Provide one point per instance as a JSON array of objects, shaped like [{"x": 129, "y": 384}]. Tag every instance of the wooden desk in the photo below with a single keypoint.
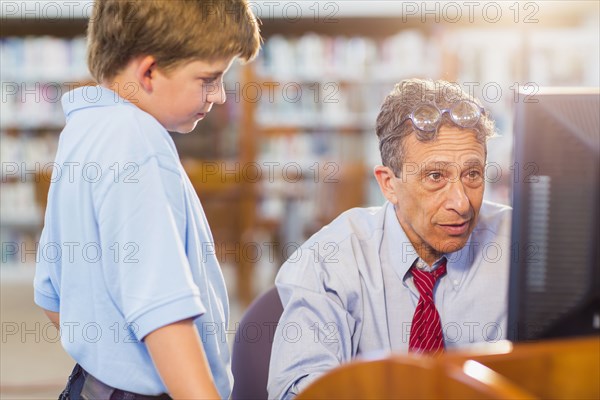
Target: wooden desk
[
  {"x": 561, "y": 369},
  {"x": 557, "y": 369}
]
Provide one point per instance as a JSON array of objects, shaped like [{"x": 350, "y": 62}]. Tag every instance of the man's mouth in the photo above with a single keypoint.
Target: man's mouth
[{"x": 456, "y": 229}]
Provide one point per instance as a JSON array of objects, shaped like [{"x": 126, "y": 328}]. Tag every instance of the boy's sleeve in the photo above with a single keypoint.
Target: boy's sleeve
[
  {"x": 144, "y": 260},
  {"x": 44, "y": 293}
]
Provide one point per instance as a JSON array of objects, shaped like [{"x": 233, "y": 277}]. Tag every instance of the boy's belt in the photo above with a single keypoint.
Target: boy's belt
[{"x": 94, "y": 389}]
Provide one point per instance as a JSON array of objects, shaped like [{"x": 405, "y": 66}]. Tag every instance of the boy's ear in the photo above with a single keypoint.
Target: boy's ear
[
  {"x": 385, "y": 177},
  {"x": 145, "y": 72}
]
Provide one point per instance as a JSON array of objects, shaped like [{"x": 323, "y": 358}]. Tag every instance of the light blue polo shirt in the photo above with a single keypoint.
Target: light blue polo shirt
[{"x": 126, "y": 247}]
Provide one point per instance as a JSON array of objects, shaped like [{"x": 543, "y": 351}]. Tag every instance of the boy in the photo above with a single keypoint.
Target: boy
[{"x": 121, "y": 267}]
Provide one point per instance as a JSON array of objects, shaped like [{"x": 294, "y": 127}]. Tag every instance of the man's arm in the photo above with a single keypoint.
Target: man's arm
[
  {"x": 179, "y": 357},
  {"x": 315, "y": 331},
  {"x": 314, "y": 336}
]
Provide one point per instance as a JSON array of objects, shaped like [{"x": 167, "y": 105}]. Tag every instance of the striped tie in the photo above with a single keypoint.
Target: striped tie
[{"x": 426, "y": 330}]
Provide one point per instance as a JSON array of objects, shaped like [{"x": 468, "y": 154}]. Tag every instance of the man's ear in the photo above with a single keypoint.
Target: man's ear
[
  {"x": 145, "y": 72},
  {"x": 385, "y": 179}
]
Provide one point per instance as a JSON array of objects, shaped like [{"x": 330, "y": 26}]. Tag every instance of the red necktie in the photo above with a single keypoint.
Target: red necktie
[{"x": 426, "y": 330}]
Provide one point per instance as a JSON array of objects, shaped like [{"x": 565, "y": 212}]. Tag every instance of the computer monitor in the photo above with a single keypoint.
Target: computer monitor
[{"x": 554, "y": 287}]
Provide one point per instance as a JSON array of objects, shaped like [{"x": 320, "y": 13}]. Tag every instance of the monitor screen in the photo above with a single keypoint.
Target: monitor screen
[{"x": 554, "y": 285}]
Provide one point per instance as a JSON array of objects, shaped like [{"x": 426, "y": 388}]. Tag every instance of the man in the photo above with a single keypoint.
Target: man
[{"x": 426, "y": 271}]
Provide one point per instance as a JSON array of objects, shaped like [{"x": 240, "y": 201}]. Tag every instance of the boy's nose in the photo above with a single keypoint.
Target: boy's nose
[{"x": 216, "y": 94}]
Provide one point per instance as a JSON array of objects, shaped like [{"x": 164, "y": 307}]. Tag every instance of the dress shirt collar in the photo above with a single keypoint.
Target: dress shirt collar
[
  {"x": 397, "y": 250},
  {"x": 422, "y": 265}
]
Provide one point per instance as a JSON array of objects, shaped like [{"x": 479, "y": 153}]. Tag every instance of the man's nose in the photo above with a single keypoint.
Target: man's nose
[{"x": 457, "y": 198}]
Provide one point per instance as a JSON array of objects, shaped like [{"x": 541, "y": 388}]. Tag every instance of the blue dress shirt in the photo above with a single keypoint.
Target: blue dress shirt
[
  {"x": 347, "y": 292},
  {"x": 126, "y": 248}
]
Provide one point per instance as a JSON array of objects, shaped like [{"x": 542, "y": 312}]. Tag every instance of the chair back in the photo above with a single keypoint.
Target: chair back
[{"x": 252, "y": 347}]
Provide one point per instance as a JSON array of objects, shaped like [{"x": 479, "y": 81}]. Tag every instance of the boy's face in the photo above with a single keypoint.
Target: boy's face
[{"x": 184, "y": 95}]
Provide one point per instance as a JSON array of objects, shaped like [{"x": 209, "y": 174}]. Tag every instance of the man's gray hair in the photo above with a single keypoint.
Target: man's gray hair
[{"x": 402, "y": 100}]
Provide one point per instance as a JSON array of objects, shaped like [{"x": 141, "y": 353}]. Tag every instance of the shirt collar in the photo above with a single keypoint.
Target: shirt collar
[
  {"x": 399, "y": 252},
  {"x": 422, "y": 265},
  {"x": 90, "y": 96},
  {"x": 396, "y": 249}
]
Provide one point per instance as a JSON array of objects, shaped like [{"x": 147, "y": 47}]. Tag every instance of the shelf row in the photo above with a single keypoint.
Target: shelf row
[{"x": 332, "y": 81}]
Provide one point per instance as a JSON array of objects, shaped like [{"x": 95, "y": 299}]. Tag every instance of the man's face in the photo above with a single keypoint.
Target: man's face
[{"x": 440, "y": 190}]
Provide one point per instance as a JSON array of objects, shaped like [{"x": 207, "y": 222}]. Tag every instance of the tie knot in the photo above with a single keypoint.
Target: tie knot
[{"x": 425, "y": 280}]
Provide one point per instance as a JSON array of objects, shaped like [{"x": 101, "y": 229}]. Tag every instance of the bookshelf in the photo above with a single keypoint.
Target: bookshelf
[
  {"x": 40, "y": 61},
  {"x": 295, "y": 144},
  {"x": 36, "y": 71},
  {"x": 321, "y": 87}
]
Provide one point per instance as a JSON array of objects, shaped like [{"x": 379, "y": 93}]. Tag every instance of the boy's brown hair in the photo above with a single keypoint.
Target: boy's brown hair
[{"x": 173, "y": 31}]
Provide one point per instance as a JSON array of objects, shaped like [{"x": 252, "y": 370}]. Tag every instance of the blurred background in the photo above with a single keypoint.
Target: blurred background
[{"x": 295, "y": 143}]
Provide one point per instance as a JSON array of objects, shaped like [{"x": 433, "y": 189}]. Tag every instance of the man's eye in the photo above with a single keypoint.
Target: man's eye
[
  {"x": 473, "y": 175},
  {"x": 209, "y": 81},
  {"x": 435, "y": 176}
]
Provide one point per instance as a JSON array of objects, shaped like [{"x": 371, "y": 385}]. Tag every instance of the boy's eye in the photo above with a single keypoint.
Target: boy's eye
[{"x": 209, "y": 80}]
